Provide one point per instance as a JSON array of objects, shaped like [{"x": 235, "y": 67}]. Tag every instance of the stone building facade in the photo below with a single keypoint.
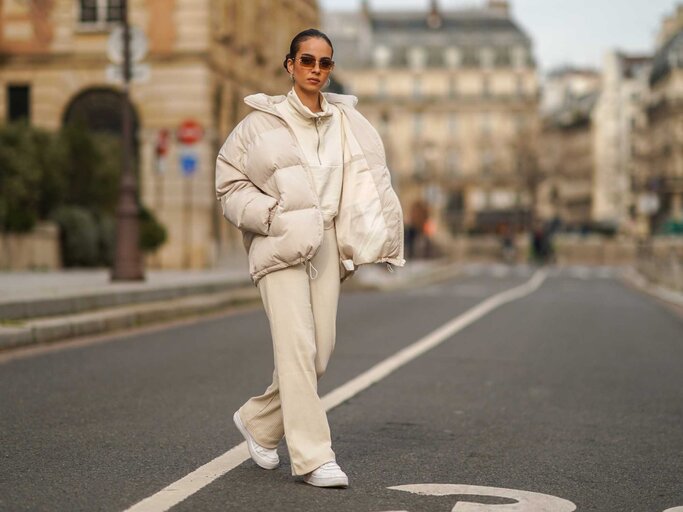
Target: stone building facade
[
  {"x": 624, "y": 86},
  {"x": 455, "y": 96},
  {"x": 568, "y": 158},
  {"x": 659, "y": 171},
  {"x": 203, "y": 57}
]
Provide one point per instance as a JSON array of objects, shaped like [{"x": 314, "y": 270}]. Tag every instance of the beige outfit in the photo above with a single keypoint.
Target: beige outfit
[{"x": 301, "y": 305}]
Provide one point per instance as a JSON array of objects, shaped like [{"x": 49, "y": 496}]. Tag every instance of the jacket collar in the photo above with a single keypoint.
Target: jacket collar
[
  {"x": 302, "y": 110},
  {"x": 267, "y": 103}
]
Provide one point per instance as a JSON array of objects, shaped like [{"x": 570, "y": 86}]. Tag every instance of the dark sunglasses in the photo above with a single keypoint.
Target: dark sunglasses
[{"x": 308, "y": 61}]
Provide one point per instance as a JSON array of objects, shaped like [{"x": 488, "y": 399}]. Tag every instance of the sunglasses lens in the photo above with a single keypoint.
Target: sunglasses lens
[
  {"x": 325, "y": 64},
  {"x": 308, "y": 62}
]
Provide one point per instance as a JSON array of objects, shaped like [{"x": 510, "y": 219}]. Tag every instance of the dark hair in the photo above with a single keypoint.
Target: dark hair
[{"x": 300, "y": 38}]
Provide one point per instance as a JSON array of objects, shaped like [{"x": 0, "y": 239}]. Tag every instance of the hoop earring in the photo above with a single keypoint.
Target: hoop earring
[
  {"x": 327, "y": 84},
  {"x": 291, "y": 77}
]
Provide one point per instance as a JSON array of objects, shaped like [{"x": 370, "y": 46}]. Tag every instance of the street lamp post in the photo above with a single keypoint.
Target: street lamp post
[{"x": 127, "y": 261}]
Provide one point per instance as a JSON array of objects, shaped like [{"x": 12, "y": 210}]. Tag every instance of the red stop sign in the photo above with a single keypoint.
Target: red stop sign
[{"x": 190, "y": 132}]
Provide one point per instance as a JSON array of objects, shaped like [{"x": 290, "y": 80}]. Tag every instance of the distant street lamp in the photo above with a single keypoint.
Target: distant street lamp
[{"x": 127, "y": 260}]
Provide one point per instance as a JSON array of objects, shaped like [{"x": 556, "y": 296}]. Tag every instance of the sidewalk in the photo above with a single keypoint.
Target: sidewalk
[{"x": 40, "y": 307}]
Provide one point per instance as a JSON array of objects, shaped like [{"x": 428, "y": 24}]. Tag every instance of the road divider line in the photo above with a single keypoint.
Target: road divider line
[
  {"x": 416, "y": 349},
  {"x": 182, "y": 489}
]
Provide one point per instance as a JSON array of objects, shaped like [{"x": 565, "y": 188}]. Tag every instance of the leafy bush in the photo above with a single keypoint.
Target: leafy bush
[
  {"x": 71, "y": 176},
  {"x": 90, "y": 166},
  {"x": 20, "y": 177},
  {"x": 106, "y": 227},
  {"x": 152, "y": 233},
  {"x": 79, "y": 236}
]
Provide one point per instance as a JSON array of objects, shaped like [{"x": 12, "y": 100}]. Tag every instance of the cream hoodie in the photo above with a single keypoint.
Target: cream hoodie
[{"x": 320, "y": 136}]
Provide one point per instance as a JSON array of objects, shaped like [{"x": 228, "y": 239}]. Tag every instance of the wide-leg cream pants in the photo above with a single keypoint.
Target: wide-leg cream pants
[{"x": 302, "y": 310}]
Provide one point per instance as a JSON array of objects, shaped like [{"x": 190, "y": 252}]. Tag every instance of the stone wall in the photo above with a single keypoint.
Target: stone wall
[
  {"x": 660, "y": 259},
  {"x": 594, "y": 250},
  {"x": 38, "y": 250},
  {"x": 661, "y": 262}
]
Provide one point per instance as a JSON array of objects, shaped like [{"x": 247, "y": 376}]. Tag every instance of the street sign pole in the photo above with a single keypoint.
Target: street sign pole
[{"x": 127, "y": 261}]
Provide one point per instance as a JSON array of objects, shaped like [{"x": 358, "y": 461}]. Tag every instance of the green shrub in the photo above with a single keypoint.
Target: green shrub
[
  {"x": 90, "y": 166},
  {"x": 79, "y": 236},
  {"x": 152, "y": 233},
  {"x": 106, "y": 227},
  {"x": 20, "y": 177}
]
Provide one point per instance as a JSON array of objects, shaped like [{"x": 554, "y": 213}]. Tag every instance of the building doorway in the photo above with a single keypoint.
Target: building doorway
[{"x": 100, "y": 110}]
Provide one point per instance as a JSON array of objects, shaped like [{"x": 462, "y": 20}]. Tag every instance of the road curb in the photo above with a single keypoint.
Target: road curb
[
  {"x": 47, "y": 330},
  {"x": 82, "y": 302}
]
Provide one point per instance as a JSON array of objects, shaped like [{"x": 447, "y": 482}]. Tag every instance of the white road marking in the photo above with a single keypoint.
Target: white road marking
[
  {"x": 526, "y": 501},
  {"x": 173, "y": 494},
  {"x": 185, "y": 487},
  {"x": 638, "y": 280},
  {"x": 675, "y": 509}
]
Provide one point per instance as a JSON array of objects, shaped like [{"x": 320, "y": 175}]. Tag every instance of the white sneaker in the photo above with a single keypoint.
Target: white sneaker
[
  {"x": 267, "y": 458},
  {"x": 327, "y": 475}
]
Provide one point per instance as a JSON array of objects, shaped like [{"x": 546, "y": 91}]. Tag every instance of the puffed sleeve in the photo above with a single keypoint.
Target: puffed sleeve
[{"x": 243, "y": 203}]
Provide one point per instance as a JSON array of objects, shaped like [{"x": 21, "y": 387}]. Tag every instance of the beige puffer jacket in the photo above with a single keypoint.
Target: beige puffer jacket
[{"x": 266, "y": 190}]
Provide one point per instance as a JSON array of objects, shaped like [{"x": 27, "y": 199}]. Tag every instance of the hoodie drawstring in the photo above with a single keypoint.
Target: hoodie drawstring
[{"x": 312, "y": 269}]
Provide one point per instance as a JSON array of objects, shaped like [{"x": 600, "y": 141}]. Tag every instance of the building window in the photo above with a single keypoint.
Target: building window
[
  {"x": 417, "y": 58},
  {"x": 99, "y": 12},
  {"x": 382, "y": 86},
  {"x": 18, "y": 103},
  {"x": 417, "y": 87},
  {"x": 417, "y": 124},
  {"x": 453, "y": 57},
  {"x": 519, "y": 82},
  {"x": 452, "y": 86},
  {"x": 487, "y": 161},
  {"x": 382, "y": 56},
  {"x": 486, "y": 123},
  {"x": 519, "y": 57},
  {"x": 520, "y": 123},
  {"x": 419, "y": 166},
  {"x": 487, "y": 57},
  {"x": 452, "y": 162},
  {"x": 452, "y": 124},
  {"x": 384, "y": 123},
  {"x": 486, "y": 86}
]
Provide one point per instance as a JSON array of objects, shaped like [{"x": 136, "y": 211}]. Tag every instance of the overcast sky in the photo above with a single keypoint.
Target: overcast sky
[{"x": 576, "y": 32}]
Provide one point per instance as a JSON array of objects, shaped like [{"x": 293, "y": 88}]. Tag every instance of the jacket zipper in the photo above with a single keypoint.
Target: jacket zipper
[{"x": 317, "y": 151}]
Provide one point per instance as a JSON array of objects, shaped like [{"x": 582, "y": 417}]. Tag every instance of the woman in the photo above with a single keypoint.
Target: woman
[{"x": 304, "y": 178}]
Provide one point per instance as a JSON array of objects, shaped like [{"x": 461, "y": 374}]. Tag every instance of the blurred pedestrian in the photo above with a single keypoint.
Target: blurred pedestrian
[
  {"x": 507, "y": 243},
  {"x": 304, "y": 178},
  {"x": 415, "y": 240},
  {"x": 541, "y": 243}
]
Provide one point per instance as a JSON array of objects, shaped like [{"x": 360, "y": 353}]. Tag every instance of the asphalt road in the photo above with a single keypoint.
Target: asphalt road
[{"x": 574, "y": 392}]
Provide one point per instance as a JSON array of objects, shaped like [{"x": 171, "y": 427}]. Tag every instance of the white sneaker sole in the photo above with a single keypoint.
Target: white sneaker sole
[
  {"x": 254, "y": 456},
  {"x": 336, "y": 481}
]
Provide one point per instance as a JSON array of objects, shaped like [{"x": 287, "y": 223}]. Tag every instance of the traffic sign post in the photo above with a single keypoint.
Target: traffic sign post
[
  {"x": 188, "y": 162},
  {"x": 138, "y": 73},
  {"x": 137, "y": 50},
  {"x": 190, "y": 132}
]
